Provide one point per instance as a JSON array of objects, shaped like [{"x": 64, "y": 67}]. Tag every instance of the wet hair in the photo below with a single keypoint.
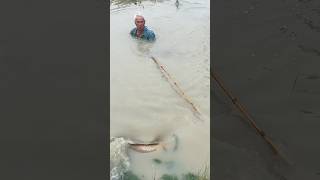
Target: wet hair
[{"x": 138, "y": 14}]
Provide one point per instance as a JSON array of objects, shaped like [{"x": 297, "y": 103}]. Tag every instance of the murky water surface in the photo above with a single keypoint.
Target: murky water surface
[
  {"x": 267, "y": 53},
  {"x": 144, "y": 106}
]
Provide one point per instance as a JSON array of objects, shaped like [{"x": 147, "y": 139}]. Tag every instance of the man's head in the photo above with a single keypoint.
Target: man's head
[{"x": 139, "y": 21}]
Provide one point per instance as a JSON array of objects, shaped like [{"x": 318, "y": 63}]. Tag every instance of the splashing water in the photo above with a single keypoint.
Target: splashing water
[
  {"x": 119, "y": 159},
  {"x": 119, "y": 148}
]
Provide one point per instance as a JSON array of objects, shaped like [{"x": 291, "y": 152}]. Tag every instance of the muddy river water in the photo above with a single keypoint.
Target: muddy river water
[{"x": 143, "y": 105}]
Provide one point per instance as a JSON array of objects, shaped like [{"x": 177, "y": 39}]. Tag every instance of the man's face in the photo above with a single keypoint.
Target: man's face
[{"x": 140, "y": 22}]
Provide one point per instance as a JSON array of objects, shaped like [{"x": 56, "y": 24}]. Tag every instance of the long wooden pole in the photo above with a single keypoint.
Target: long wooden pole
[
  {"x": 244, "y": 112},
  {"x": 175, "y": 85}
]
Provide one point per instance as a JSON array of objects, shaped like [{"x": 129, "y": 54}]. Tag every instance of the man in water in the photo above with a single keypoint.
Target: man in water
[{"x": 141, "y": 31}]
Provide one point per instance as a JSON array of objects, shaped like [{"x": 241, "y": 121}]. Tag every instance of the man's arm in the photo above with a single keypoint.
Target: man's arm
[
  {"x": 152, "y": 36},
  {"x": 133, "y": 31}
]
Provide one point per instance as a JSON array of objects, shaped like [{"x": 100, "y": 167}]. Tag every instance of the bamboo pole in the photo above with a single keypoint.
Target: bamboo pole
[
  {"x": 175, "y": 85},
  {"x": 244, "y": 112}
]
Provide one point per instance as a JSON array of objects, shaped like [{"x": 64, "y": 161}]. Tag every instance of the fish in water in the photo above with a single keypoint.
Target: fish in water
[
  {"x": 153, "y": 146},
  {"x": 119, "y": 158},
  {"x": 146, "y": 148}
]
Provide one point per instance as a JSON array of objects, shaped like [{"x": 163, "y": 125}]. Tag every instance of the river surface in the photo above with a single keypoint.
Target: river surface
[{"x": 143, "y": 105}]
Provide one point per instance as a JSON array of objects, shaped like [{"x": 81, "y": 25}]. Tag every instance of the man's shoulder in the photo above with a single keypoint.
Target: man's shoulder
[
  {"x": 150, "y": 34},
  {"x": 133, "y": 31},
  {"x": 149, "y": 30}
]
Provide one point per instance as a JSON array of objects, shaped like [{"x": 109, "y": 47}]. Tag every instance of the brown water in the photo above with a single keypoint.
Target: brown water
[{"x": 143, "y": 104}]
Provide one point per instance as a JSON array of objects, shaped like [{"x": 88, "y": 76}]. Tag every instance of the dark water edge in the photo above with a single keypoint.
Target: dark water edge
[{"x": 268, "y": 54}]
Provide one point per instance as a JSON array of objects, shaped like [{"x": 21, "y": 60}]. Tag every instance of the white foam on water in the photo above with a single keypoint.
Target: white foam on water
[{"x": 119, "y": 159}]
